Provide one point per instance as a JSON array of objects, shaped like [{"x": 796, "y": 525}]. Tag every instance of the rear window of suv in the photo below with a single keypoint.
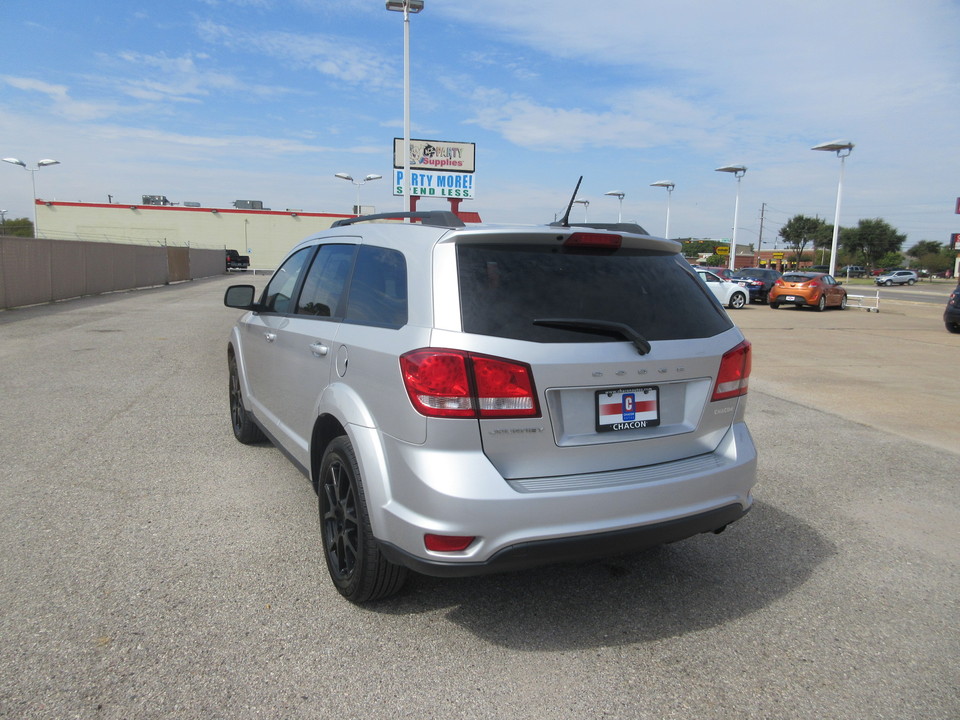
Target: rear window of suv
[{"x": 504, "y": 288}]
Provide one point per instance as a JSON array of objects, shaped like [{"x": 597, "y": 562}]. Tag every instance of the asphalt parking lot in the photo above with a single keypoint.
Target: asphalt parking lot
[{"x": 152, "y": 567}]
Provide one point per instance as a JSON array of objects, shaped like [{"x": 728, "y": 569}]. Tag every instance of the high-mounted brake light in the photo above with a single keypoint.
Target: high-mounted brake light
[
  {"x": 593, "y": 240},
  {"x": 734, "y": 374},
  {"x": 455, "y": 383}
]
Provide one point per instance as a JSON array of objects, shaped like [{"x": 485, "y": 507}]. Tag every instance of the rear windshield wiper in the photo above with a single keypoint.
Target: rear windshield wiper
[{"x": 599, "y": 327}]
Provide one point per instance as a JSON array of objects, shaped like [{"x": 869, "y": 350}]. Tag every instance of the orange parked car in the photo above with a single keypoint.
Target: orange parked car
[{"x": 815, "y": 289}]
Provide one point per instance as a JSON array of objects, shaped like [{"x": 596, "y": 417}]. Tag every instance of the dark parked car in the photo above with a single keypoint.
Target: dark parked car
[
  {"x": 757, "y": 280},
  {"x": 951, "y": 316}
]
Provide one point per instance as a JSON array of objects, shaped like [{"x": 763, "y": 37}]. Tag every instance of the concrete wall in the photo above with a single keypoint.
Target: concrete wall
[
  {"x": 265, "y": 235},
  {"x": 40, "y": 270}
]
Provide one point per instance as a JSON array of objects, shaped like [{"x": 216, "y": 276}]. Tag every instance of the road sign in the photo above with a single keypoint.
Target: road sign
[{"x": 722, "y": 250}]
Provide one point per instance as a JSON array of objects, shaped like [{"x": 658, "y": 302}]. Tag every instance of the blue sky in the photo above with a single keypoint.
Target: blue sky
[{"x": 216, "y": 100}]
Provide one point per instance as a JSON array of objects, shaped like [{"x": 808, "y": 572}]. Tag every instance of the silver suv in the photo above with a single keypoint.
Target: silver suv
[
  {"x": 896, "y": 277},
  {"x": 477, "y": 399}
]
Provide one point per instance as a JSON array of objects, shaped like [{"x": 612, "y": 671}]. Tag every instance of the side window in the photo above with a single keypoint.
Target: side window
[
  {"x": 324, "y": 283},
  {"x": 278, "y": 297},
  {"x": 378, "y": 290}
]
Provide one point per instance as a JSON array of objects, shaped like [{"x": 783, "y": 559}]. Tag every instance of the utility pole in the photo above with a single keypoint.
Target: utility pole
[{"x": 763, "y": 209}]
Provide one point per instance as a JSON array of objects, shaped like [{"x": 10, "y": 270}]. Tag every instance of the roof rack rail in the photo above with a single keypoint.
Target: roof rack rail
[
  {"x": 622, "y": 227},
  {"x": 435, "y": 218}
]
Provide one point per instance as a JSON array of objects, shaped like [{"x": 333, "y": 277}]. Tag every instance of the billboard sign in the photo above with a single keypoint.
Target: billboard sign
[
  {"x": 459, "y": 157},
  {"x": 436, "y": 184}
]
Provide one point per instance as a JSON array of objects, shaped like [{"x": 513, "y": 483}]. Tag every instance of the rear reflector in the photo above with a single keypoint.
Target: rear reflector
[
  {"x": 593, "y": 240},
  {"x": 734, "y": 374},
  {"x": 447, "y": 543}
]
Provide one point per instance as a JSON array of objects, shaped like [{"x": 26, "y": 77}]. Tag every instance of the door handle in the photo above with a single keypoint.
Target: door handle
[
  {"x": 319, "y": 349},
  {"x": 269, "y": 336}
]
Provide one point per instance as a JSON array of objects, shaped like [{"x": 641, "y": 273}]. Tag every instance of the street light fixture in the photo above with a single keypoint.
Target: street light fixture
[
  {"x": 842, "y": 148},
  {"x": 586, "y": 204},
  {"x": 738, "y": 172},
  {"x": 358, "y": 183},
  {"x": 406, "y": 7},
  {"x": 619, "y": 196},
  {"x": 668, "y": 184},
  {"x": 33, "y": 178}
]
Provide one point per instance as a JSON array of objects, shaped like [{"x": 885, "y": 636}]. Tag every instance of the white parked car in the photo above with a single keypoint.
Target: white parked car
[{"x": 729, "y": 294}]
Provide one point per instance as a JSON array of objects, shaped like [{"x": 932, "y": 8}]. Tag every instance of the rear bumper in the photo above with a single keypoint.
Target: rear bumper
[
  {"x": 534, "y": 521},
  {"x": 573, "y": 549},
  {"x": 792, "y": 300}
]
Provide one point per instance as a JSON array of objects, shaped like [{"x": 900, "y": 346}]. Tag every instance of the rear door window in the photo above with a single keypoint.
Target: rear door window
[
  {"x": 504, "y": 288},
  {"x": 378, "y": 289}
]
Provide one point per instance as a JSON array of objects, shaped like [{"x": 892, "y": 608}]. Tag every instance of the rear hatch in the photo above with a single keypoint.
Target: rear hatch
[{"x": 623, "y": 342}]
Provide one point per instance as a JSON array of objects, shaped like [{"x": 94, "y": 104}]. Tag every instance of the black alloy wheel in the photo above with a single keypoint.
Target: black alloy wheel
[
  {"x": 356, "y": 566},
  {"x": 244, "y": 429}
]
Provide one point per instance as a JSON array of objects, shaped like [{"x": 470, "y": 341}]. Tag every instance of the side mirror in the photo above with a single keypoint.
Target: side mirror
[{"x": 240, "y": 297}]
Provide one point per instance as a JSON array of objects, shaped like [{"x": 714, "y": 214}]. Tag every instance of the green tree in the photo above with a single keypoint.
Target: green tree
[
  {"x": 695, "y": 247},
  {"x": 800, "y": 230},
  {"x": 890, "y": 260},
  {"x": 874, "y": 239},
  {"x": 18, "y": 227},
  {"x": 924, "y": 247}
]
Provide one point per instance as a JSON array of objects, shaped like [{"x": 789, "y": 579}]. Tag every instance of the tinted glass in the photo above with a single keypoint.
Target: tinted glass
[
  {"x": 278, "y": 295},
  {"x": 378, "y": 290},
  {"x": 324, "y": 283},
  {"x": 504, "y": 288}
]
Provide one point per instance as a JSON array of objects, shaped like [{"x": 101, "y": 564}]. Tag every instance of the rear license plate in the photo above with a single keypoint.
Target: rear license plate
[
  {"x": 628, "y": 408},
  {"x": 789, "y": 298}
]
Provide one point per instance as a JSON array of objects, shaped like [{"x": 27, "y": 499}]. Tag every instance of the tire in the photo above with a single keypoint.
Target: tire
[
  {"x": 244, "y": 428},
  {"x": 774, "y": 305},
  {"x": 952, "y": 326},
  {"x": 911, "y": 281},
  {"x": 822, "y": 302},
  {"x": 843, "y": 302},
  {"x": 356, "y": 566},
  {"x": 737, "y": 300},
  {"x": 888, "y": 283}
]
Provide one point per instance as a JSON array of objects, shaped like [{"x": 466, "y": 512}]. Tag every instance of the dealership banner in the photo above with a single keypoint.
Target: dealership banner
[
  {"x": 437, "y": 155},
  {"x": 436, "y": 184}
]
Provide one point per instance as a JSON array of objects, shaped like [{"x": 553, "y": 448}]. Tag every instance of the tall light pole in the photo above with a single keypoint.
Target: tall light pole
[
  {"x": 842, "y": 148},
  {"x": 406, "y": 7},
  {"x": 586, "y": 204},
  {"x": 738, "y": 172},
  {"x": 358, "y": 183},
  {"x": 619, "y": 196},
  {"x": 33, "y": 179},
  {"x": 668, "y": 184}
]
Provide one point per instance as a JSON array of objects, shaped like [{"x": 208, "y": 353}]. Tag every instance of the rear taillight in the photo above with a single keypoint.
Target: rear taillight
[
  {"x": 734, "y": 373},
  {"x": 454, "y": 383}
]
